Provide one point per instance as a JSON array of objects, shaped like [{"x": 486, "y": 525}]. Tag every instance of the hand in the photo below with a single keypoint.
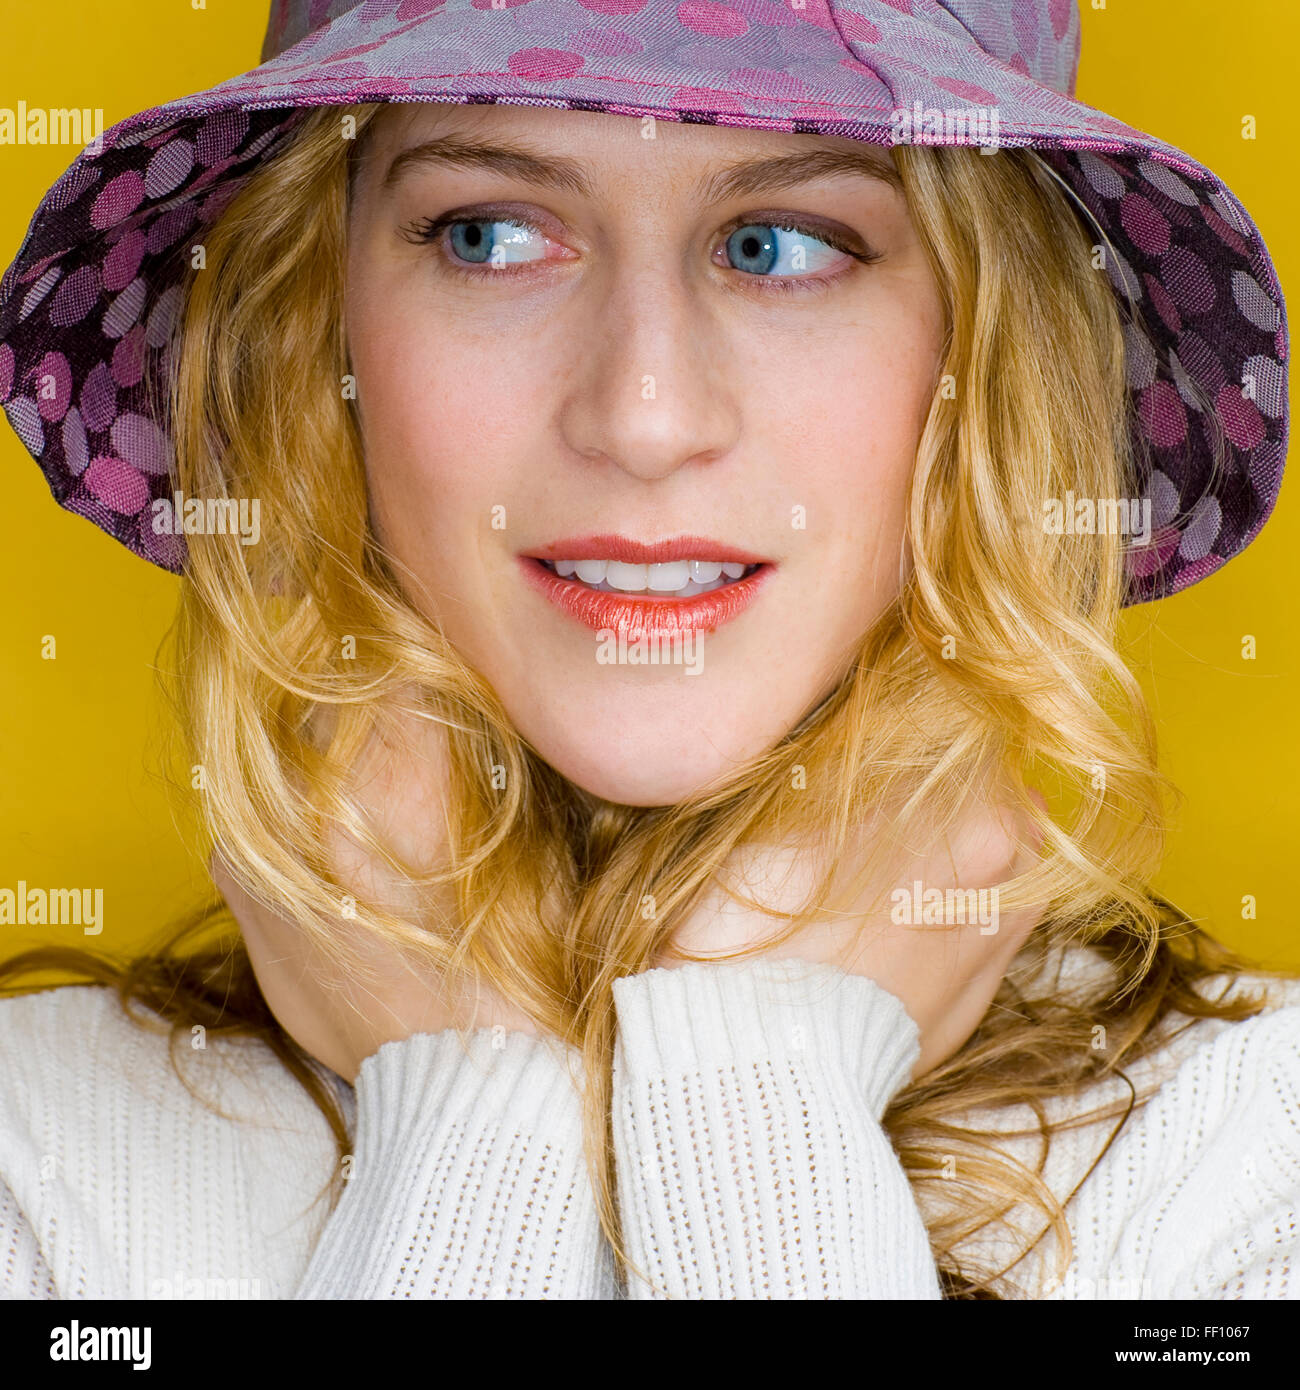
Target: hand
[
  {"x": 341, "y": 1016},
  {"x": 945, "y": 975}
]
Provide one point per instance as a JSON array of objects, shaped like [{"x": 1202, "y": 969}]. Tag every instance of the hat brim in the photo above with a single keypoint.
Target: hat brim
[{"x": 88, "y": 306}]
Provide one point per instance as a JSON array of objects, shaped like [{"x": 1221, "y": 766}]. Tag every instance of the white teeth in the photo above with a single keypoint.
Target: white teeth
[
  {"x": 667, "y": 579},
  {"x": 679, "y": 578},
  {"x": 629, "y": 579}
]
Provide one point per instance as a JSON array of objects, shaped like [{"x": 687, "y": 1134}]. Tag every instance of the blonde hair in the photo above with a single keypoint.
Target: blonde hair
[{"x": 1029, "y": 402}]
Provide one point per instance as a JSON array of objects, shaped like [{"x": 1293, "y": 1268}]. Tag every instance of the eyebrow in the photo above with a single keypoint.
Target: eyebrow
[{"x": 743, "y": 178}]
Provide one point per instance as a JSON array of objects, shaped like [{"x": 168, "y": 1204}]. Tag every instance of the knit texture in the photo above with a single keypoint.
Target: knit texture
[{"x": 746, "y": 1126}]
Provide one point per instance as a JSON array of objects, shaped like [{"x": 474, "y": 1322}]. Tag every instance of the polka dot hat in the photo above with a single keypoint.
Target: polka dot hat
[{"x": 88, "y": 306}]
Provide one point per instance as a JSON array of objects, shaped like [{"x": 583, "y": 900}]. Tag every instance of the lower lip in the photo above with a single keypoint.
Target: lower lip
[{"x": 633, "y": 616}]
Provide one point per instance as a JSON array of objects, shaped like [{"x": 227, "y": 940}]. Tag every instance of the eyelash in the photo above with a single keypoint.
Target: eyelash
[{"x": 427, "y": 230}]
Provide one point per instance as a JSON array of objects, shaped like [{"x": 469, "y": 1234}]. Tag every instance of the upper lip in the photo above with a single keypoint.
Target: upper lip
[{"x": 633, "y": 552}]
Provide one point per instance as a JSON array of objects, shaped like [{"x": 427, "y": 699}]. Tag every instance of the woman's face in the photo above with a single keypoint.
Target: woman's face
[{"x": 647, "y": 350}]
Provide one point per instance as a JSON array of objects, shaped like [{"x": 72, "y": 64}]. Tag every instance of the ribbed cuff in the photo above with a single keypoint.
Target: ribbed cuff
[
  {"x": 468, "y": 1178},
  {"x": 495, "y": 1074},
  {"x": 675, "y": 1020}
]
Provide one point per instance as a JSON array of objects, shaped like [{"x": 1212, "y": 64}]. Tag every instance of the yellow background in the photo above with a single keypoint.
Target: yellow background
[{"x": 79, "y": 805}]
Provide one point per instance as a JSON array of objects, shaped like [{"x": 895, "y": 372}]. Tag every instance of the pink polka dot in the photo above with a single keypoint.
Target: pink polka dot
[
  {"x": 860, "y": 30},
  {"x": 117, "y": 199},
  {"x": 128, "y": 357},
  {"x": 706, "y": 99},
  {"x": 766, "y": 82},
  {"x": 544, "y": 64},
  {"x": 116, "y": 484},
  {"x": 1163, "y": 415},
  {"x": 53, "y": 386},
  {"x": 1144, "y": 223},
  {"x": 1242, "y": 422},
  {"x": 6, "y": 371},
  {"x": 969, "y": 90},
  {"x": 1165, "y": 306},
  {"x": 1060, "y": 11},
  {"x": 122, "y": 262},
  {"x": 409, "y": 9},
  {"x": 1225, "y": 233},
  {"x": 615, "y": 7},
  {"x": 706, "y": 17}
]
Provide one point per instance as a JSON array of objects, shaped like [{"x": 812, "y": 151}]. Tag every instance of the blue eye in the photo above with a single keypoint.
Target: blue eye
[
  {"x": 762, "y": 249},
  {"x": 494, "y": 242}
]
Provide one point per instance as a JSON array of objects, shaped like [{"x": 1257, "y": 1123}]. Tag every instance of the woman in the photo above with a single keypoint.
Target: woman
[{"x": 687, "y": 821}]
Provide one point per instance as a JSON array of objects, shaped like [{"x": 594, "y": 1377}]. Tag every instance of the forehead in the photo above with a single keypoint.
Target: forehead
[{"x": 586, "y": 147}]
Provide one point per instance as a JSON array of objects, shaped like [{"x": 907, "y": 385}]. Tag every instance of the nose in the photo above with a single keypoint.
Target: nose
[{"x": 649, "y": 391}]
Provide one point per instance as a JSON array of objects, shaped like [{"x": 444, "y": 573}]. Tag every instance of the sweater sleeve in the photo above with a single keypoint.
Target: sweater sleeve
[
  {"x": 467, "y": 1178},
  {"x": 23, "y": 1271},
  {"x": 746, "y": 1126}
]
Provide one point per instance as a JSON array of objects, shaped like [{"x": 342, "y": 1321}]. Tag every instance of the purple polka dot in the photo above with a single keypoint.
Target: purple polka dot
[
  {"x": 123, "y": 261},
  {"x": 123, "y": 311},
  {"x": 75, "y": 449},
  {"x": 53, "y": 386},
  {"x": 128, "y": 358},
  {"x": 116, "y": 484},
  {"x": 603, "y": 43},
  {"x": 76, "y": 297},
  {"x": 99, "y": 398},
  {"x": 142, "y": 443},
  {"x": 38, "y": 291},
  {"x": 23, "y": 415},
  {"x": 162, "y": 317},
  {"x": 167, "y": 168},
  {"x": 766, "y": 82},
  {"x": 1163, "y": 415},
  {"x": 219, "y": 136},
  {"x": 614, "y": 7},
  {"x": 117, "y": 199},
  {"x": 169, "y": 227},
  {"x": 1144, "y": 223}
]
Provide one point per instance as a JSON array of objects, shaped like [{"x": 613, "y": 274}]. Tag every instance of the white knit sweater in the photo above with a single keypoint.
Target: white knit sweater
[{"x": 750, "y": 1159}]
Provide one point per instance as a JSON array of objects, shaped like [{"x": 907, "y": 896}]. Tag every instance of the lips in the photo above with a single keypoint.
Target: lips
[{"x": 613, "y": 583}]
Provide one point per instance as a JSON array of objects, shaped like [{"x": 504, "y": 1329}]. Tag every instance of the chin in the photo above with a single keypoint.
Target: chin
[{"x": 633, "y": 763}]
